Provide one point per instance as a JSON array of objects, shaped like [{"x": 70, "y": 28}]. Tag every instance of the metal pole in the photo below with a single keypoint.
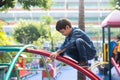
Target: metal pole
[
  {"x": 109, "y": 37},
  {"x": 103, "y": 40}
]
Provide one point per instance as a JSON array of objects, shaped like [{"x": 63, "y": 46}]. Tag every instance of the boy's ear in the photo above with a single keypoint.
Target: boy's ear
[{"x": 67, "y": 27}]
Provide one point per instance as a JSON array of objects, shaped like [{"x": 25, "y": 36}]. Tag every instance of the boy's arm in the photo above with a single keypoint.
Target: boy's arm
[
  {"x": 61, "y": 51},
  {"x": 55, "y": 54}
]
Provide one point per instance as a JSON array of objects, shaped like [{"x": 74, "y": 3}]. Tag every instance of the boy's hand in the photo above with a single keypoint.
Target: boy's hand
[{"x": 54, "y": 55}]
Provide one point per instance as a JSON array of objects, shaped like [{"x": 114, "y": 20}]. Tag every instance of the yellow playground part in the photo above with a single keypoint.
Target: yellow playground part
[
  {"x": 105, "y": 54},
  {"x": 97, "y": 64}
]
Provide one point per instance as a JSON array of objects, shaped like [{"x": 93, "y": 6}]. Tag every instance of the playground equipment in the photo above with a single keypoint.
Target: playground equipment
[
  {"x": 12, "y": 66},
  {"x": 21, "y": 67},
  {"x": 111, "y": 21},
  {"x": 68, "y": 61},
  {"x": 50, "y": 68},
  {"x": 51, "y": 72},
  {"x": 2, "y": 72}
]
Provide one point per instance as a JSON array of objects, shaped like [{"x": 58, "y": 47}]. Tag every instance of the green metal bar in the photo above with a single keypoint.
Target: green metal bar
[
  {"x": 109, "y": 37},
  {"x": 103, "y": 40},
  {"x": 15, "y": 59},
  {"x": 9, "y": 49},
  {"x": 2, "y": 72},
  {"x": 4, "y": 64}
]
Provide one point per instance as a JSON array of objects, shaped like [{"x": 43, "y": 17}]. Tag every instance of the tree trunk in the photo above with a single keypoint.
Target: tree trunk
[
  {"x": 81, "y": 22},
  {"x": 81, "y": 25}
]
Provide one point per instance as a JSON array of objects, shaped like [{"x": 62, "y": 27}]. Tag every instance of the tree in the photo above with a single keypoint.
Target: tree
[
  {"x": 26, "y": 33},
  {"x": 47, "y": 21},
  {"x": 1, "y": 25},
  {"x": 53, "y": 37},
  {"x": 26, "y": 4},
  {"x": 116, "y": 4},
  {"x": 81, "y": 22},
  {"x": 4, "y": 41},
  {"x": 49, "y": 35}
]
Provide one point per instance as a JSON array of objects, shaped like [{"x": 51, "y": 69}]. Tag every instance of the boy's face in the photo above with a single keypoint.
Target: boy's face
[{"x": 66, "y": 32}]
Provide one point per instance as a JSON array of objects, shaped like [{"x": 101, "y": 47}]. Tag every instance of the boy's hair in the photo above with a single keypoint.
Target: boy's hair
[{"x": 62, "y": 23}]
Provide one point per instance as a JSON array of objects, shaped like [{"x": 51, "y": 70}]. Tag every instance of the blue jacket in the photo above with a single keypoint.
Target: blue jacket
[{"x": 75, "y": 34}]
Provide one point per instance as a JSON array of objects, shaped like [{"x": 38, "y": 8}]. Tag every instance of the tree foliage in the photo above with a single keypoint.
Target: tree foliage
[
  {"x": 26, "y": 32},
  {"x": 116, "y": 4},
  {"x": 43, "y": 28},
  {"x": 4, "y": 39},
  {"x": 26, "y": 4},
  {"x": 1, "y": 25},
  {"x": 50, "y": 35}
]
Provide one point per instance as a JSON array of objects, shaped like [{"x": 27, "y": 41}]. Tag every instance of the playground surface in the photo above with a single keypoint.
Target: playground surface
[
  {"x": 69, "y": 73},
  {"x": 65, "y": 73}
]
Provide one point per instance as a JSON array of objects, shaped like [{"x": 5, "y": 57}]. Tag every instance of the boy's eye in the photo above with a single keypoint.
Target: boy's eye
[{"x": 62, "y": 31}]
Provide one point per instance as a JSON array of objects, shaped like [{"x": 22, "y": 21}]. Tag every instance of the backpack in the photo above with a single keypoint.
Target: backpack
[{"x": 113, "y": 46}]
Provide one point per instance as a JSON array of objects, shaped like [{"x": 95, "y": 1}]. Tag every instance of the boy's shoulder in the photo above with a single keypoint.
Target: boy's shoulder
[{"x": 77, "y": 30}]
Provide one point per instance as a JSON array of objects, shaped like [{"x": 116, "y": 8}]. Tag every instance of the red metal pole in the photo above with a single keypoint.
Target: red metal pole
[
  {"x": 117, "y": 66},
  {"x": 72, "y": 63}
]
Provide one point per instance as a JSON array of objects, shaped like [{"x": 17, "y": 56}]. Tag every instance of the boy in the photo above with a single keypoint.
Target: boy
[{"x": 77, "y": 44}]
